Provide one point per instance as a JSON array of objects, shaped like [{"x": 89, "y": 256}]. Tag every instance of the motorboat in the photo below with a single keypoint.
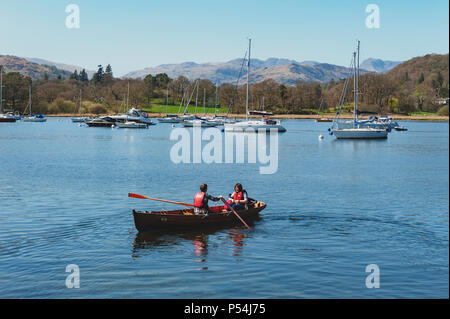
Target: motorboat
[
  {"x": 133, "y": 115},
  {"x": 101, "y": 122},
  {"x": 7, "y": 118}
]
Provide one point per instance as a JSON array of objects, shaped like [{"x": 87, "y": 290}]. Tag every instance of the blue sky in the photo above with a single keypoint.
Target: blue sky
[{"x": 131, "y": 35}]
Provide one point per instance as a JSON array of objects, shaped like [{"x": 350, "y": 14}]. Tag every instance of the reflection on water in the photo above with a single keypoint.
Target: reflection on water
[{"x": 146, "y": 241}]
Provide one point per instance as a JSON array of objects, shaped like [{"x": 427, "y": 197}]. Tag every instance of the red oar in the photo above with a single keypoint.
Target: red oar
[
  {"x": 160, "y": 200},
  {"x": 232, "y": 209}
]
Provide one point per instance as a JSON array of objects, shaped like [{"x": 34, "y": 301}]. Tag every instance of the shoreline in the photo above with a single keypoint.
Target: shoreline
[{"x": 395, "y": 117}]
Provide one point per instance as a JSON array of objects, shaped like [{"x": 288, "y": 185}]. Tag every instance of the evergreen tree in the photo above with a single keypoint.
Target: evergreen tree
[
  {"x": 83, "y": 76},
  {"x": 75, "y": 76},
  {"x": 108, "y": 76},
  {"x": 99, "y": 75}
]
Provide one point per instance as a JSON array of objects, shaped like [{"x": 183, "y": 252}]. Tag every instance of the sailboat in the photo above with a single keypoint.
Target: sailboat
[
  {"x": 255, "y": 125},
  {"x": 355, "y": 129},
  {"x": 4, "y": 118},
  {"x": 322, "y": 119},
  {"x": 261, "y": 112},
  {"x": 33, "y": 117},
  {"x": 79, "y": 119},
  {"x": 132, "y": 115}
]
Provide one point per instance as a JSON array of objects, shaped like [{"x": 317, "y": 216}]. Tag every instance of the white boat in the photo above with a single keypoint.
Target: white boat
[
  {"x": 200, "y": 123},
  {"x": 133, "y": 115},
  {"x": 355, "y": 128},
  {"x": 33, "y": 117},
  {"x": 7, "y": 118},
  {"x": 131, "y": 124},
  {"x": 256, "y": 125},
  {"x": 360, "y": 133},
  {"x": 80, "y": 119},
  {"x": 170, "y": 119},
  {"x": 221, "y": 120}
]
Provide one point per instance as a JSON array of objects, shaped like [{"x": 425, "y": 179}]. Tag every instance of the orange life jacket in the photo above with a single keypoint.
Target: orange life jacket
[
  {"x": 237, "y": 196},
  {"x": 198, "y": 199}
]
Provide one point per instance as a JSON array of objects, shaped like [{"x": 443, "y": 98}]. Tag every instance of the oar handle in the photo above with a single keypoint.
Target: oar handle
[{"x": 232, "y": 209}]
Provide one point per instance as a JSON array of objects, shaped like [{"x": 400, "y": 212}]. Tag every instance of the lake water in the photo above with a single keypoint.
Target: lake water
[{"x": 334, "y": 207}]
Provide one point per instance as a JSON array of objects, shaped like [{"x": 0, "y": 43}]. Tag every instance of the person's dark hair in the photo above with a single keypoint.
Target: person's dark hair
[
  {"x": 239, "y": 186},
  {"x": 204, "y": 187}
]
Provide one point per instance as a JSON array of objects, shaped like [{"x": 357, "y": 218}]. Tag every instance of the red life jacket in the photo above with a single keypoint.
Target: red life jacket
[
  {"x": 198, "y": 199},
  {"x": 237, "y": 196}
]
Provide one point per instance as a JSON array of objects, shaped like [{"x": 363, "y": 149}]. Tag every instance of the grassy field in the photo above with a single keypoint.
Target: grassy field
[{"x": 158, "y": 106}]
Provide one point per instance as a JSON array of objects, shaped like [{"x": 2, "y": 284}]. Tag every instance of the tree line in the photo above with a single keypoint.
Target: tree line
[{"x": 393, "y": 92}]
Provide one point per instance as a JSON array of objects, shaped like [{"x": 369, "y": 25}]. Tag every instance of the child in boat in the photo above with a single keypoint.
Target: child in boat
[
  {"x": 239, "y": 199},
  {"x": 201, "y": 200}
]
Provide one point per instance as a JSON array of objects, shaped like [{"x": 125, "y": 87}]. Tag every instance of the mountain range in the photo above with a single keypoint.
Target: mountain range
[
  {"x": 284, "y": 71},
  {"x": 281, "y": 70}
]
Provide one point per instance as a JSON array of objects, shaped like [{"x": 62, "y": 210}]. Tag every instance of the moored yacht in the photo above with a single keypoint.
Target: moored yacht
[
  {"x": 133, "y": 115},
  {"x": 357, "y": 129},
  {"x": 130, "y": 124},
  {"x": 255, "y": 125},
  {"x": 33, "y": 117}
]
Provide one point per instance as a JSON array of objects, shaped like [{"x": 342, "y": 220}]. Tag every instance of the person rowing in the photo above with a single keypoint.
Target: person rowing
[
  {"x": 239, "y": 199},
  {"x": 201, "y": 200}
]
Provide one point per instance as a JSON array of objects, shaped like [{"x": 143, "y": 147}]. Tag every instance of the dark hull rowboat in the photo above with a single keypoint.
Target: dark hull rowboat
[
  {"x": 186, "y": 219},
  {"x": 324, "y": 120},
  {"x": 7, "y": 119}
]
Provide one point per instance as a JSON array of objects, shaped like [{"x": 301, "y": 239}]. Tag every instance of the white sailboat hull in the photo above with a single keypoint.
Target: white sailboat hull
[
  {"x": 256, "y": 126},
  {"x": 170, "y": 120},
  {"x": 199, "y": 123},
  {"x": 360, "y": 133},
  {"x": 131, "y": 125},
  {"x": 34, "y": 119}
]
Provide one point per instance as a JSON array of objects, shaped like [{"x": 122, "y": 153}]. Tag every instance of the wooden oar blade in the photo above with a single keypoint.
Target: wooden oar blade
[{"x": 136, "y": 196}]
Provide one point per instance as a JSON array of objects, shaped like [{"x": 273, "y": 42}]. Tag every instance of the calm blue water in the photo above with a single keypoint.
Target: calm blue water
[{"x": 334, "y": 207}]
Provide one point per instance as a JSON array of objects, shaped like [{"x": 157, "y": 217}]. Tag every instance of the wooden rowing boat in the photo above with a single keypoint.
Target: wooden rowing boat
[
  {"x": 187, "y": 219},
  {"x": 324, "y": 120}
]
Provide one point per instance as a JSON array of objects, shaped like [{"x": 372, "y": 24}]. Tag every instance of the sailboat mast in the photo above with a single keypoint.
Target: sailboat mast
[
  {"x": 128, "y": 94},
  {"x": 1, "y": 90},
  {"x": 357, "y": 84},
  {"x": 29, "y": 99},
  {"x": 80, "y": 101},
  {"x": 217, "y": 96},
  {"x": 204, "y": 100},
  {"x": 354, "y": 86},
  {"x": 248, "y": 77},
  {"x": 196, "y": 99},
  {"x": 167, "y": 98}
]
